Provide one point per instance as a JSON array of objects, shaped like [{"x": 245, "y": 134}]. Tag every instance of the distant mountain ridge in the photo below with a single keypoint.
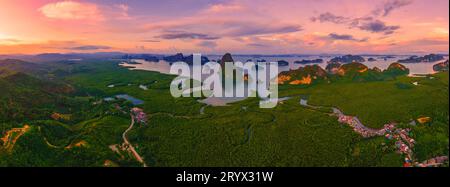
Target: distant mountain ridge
[{"x": 54, "y": 57}]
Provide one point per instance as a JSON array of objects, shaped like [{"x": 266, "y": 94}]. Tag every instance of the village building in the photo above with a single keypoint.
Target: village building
[{"x": 139, "y": 115}]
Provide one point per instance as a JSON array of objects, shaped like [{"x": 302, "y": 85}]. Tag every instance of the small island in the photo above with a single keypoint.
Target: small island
[
  {"x": 348, "y": 59},
  {"x": 283, "y": 63},
  {"x": 315, "y": 61},
  {"x": 179, "y": 57},
  {"x": 426, "y": 58}
]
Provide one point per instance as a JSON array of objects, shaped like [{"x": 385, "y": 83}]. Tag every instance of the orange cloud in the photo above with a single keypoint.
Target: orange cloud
[{"x": 71, "y": 10}]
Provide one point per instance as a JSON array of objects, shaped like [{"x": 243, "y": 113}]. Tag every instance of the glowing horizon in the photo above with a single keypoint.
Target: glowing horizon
[{"x": 219, "y": 26}]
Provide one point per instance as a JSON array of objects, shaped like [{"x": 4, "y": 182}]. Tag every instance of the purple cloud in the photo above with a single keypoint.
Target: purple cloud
[
  {"x": 246, "y": 29},
  {"x": 385, "y": 9},
  {"x": 347, "y": 37},
  {"x": 377, "y": 26},
  {"x": 208, "y": 44},
  {"x": 172, "y": 35},
  {"x": 329, "y": 17},
  {"x": 89, "y": 47},
  {"x": 256, "y": 45},
  {"x": 363, "y": 23}
]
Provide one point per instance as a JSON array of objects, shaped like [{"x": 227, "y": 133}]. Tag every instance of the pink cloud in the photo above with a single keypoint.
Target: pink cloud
[
  {"x": 71, "y": 10},
  {"x": 122, "y": 11},
  {"x": 219, "y": 8}
]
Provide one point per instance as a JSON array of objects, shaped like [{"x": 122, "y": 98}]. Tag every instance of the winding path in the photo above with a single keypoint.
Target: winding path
[
  {"x": 130, "y": 146},
  {"x": 358, "y": 126},
  {"x": 353, "y": 122}
]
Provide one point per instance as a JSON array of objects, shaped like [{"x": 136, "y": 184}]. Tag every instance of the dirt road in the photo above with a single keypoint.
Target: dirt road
[{"x": 130, "y": 146}]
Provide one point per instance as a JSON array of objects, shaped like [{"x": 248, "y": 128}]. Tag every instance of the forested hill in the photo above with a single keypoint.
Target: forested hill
[
  {"x": 11, "y": 66},
  {"x": 28, "y": 91}
]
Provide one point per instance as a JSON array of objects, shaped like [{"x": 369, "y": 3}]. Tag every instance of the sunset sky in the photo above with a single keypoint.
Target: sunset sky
[{"x": 218, "y": 26}]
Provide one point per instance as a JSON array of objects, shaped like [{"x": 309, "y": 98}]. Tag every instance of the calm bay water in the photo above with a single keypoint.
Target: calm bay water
[
  {"x": 133, "y": 100},
  {"x": 164, "y": 67},
  {"x": 415, "y": 68}
]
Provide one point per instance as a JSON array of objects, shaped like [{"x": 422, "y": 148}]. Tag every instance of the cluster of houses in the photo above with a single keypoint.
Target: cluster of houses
[
  {"x": 139, "y": 115},
  {"x": 433, "y": 162},
  {"x": 404, "y": 144}
]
